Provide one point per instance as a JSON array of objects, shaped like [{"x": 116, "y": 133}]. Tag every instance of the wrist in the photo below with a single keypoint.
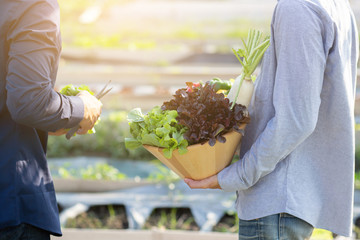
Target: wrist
[{"x": 77, "y": 111}]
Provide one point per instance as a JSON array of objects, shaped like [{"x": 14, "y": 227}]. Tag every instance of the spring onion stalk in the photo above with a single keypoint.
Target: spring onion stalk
[
  {"x": 249, "y": 57},
  {"x": 243, "y": 88}
]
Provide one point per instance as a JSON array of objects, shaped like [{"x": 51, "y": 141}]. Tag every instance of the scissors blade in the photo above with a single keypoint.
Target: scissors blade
[
  {"x": 103, "y": 89},
  {"x": 104, "y": 93}
]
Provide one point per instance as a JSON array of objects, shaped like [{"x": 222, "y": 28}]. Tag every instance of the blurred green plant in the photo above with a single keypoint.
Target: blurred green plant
[
  {"x": 100, "y": 217},
  {"x": 171, "y": 218},
  {"x": 168, "y": 221},
  {"x": 111, "y": 211},
  {"x": 357, "y": 158},
  {"x": 84, "y": 220},
  {"x": 108, "y": 141},
  {"x": 228, "y": 223},
  {"x": 188, "y": 32},
  {"x": 164, "y": 174},
  {"x": 357, "y": 180},
  {"x": 88, "y": 41},
  {"x": 100, "y": 171},
  {"x": 321, "y": 234},
  {"x": 104, "y": 171}
]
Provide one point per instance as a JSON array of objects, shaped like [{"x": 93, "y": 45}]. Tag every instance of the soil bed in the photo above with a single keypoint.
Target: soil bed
[
  {"x": 172, "y": 218},
  {"x": 228, "y": 223},
  {"x": 97, "y": 217},
  {"x": 114, "y": 217}
]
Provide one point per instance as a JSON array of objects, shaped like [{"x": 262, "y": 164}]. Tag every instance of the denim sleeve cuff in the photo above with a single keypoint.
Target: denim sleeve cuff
[{"x": 77, "y": 111}]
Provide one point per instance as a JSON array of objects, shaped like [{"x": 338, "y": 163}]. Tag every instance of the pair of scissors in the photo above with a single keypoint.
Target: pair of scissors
[{"x": 102, "y": 93}]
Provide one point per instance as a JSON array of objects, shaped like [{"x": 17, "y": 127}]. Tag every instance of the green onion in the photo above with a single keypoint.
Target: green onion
[{"x": 250, "y": 56}]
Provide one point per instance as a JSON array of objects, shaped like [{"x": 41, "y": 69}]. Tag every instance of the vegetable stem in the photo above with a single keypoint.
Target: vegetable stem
[
  {"x": 238, "y": 90},
  {"x": 250, "y": 56}
]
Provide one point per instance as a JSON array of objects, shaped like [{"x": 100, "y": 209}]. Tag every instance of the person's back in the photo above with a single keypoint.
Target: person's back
[
  {"x": 26, "y": 189},
  {"x": 30, "y": 108},
  {"x": 298, "y": 150}
]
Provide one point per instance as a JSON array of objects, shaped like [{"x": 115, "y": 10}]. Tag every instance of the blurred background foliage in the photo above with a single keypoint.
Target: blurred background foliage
[
  {"x": 108, "y": 141},
  {"x": 96, "y": 24},
  {"x": 88, "y": 25}
]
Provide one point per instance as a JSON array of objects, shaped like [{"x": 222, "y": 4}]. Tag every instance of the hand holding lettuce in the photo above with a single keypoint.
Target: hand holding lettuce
[
  {"x": 92, "y": 107},
  {"x": 71, "y": 90}
]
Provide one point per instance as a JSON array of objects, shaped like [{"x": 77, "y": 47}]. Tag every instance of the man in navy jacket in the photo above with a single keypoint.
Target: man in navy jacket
[{"x": 30, "y": 46}]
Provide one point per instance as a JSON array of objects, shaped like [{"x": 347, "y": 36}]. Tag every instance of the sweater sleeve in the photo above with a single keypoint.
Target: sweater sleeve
[
  {"x": 34, "y": 49},
  {"x": 301, "y": 58}
]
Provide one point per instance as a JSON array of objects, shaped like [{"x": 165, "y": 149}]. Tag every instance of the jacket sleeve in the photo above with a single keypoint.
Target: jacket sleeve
[
  {"x": 34, "y": 48},
  {"x": 301, "y": 59}
]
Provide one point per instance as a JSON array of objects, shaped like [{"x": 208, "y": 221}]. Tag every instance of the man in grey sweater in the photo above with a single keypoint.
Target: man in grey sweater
[{"x": 296, "y": 169}]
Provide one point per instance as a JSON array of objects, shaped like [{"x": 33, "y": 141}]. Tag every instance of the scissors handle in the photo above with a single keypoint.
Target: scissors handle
[{"x": 71, "y": 132}]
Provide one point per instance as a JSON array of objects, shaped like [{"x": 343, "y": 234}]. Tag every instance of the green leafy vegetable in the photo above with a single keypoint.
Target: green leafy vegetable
[
  {"x": 253, "y": 51},
  {"x": 157, "y": 128},
  {"x": 71, "y": 90},
  {"x": 135, "y": 115},
  {"x": 206, "y": 114}
]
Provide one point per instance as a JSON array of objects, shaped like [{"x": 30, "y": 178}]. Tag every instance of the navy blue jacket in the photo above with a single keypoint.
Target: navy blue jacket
[{"x": 30, "y": 46}]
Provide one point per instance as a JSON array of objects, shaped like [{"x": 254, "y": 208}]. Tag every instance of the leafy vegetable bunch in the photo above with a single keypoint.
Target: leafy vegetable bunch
[
  {"x": 207, "y": 115},
  {"x": 157, "y": 128},
  {"x": 71, "y": 90}
]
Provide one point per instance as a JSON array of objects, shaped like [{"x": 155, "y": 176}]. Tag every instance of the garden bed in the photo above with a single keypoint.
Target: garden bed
[
  {"x": 101, "y": 217},
  {"x": 114, "y": 217},
  {"x": 154, "y": 234}
]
